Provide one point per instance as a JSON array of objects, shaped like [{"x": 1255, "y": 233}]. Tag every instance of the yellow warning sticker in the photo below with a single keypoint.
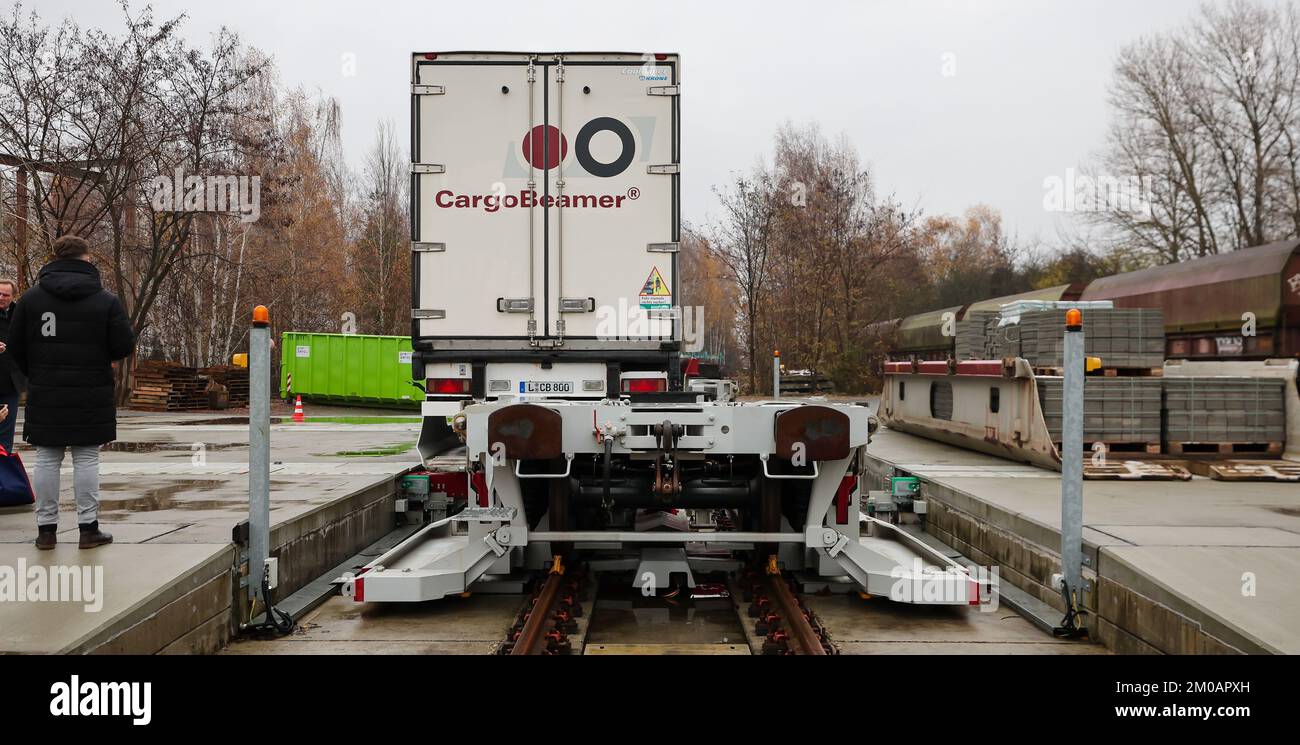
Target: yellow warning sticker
[{"x": 655, "y": 292}]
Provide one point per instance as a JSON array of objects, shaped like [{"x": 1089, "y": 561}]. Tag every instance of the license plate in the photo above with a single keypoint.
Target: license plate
[{"x": 546, "y": 387}]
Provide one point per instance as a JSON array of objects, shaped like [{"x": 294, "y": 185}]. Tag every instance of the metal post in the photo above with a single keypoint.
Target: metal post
[
  {"x": 259, "y": 447},
  {"x": 776, "y": 373},
  {"x": 1072, "y": 468}
]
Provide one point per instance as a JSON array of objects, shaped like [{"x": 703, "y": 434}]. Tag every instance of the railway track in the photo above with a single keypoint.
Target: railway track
[
  {"x": 550, "y": 617},
  {"x": 782, "y": 623}
]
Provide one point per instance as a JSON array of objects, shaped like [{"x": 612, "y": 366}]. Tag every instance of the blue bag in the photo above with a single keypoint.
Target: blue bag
[{"x": 15, "y": 487}]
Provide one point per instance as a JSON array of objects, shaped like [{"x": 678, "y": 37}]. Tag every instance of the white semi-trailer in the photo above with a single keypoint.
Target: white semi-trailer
[{"x": 546, "y": 323}]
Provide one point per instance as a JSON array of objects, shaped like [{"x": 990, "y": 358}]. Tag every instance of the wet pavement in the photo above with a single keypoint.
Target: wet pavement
[
  {"x": 172, "y": 488},
  {"x": 624, "y": 622},
  {"x": 624, "y": 616}
]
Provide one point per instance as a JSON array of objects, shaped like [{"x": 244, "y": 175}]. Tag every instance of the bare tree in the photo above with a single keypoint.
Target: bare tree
[
  {"x": 743, "y": 242},
  {"x": 1205, "y": 120},
  {"x": 380, "y": 249}
]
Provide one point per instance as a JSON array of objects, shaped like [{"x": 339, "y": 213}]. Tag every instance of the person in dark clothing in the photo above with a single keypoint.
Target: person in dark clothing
[
  {"x": 64, "y": 336},
  {"x": 11, "y": 381}
]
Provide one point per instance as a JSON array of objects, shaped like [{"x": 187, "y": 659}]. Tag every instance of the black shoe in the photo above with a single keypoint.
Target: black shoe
[
  {"x": 46, "y": 537},
  {"x": 92, "y": 536}
]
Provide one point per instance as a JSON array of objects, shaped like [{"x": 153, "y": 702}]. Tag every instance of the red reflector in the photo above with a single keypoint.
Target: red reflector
[
  {"x": 661, "y": 57},
  {"x": 430, "y": 55},
  {"x": 479, "y": 482},
  {"x": 454, "y": 386},
  {"x": 359, "y": 590},
  {"x": 644, "y": 385},
  {"x": 843, "y": 497}
]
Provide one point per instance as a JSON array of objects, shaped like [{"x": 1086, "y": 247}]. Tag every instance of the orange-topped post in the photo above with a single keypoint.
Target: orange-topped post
[
  {"x": 776, "y": 373},
  {"x": 259, "y": 452},
  {"x": 1071, "y": 577}
]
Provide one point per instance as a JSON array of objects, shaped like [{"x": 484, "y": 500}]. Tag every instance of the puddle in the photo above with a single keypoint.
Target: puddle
[
  {"x": 118, "y": 446},
  {"x": 394, "y": 449},
  {"x": 309, "y": 420},
  {"x": 225, "y": 420},
  {"x": 169, "y": 497},
  {"x": 364, "y": 419},
  {"x": 165, "y": 497},
  {"x": 622, "y": 615}
]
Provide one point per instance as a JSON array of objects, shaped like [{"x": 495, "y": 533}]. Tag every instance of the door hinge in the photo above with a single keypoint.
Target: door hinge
[
  {"x": 428, "y": 168},
  {"x": 665, "y": 168},
  {"x": 663, "y": 248},
  {"x": 663, "y": 90},
  {"x": 427, "y": 90},
  {"x": 428, "y": 313},
  {"x": 421, "y": 247}
]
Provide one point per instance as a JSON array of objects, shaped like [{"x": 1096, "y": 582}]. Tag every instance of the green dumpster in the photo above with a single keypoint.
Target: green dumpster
[{"x": 348, "y": 369}]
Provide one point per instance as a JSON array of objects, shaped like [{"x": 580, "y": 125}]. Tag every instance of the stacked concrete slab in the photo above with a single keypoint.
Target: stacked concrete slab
[
  {"x": 1120, "y": 410},
  {"x": 974, "y": 341},
  {"x": 1224, "y": 410},
  {"x": 1121, "y": 337}
]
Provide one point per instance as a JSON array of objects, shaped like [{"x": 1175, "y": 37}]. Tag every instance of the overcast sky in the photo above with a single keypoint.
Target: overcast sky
[{"x": 1027, "y": 100}]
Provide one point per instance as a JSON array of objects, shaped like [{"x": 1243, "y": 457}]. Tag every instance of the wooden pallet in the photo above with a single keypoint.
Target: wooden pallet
[
  {"x": 1108, "y": 372},
  {"x": 167, "y": 386},
  {"x": 1134, "y": 471},
  {"x": 1120, "y": 446},
  {"x": 1263, "y": 449},
  {"x": 1130, "y": 372},
  {"x": 1280, "y": 471}
]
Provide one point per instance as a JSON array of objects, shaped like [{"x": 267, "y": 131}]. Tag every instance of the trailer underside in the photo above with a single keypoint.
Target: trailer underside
[{"x": 668, "y": 485}]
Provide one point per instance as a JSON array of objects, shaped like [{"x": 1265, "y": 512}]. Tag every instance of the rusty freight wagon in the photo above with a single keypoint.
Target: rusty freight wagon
[{"x": 1211, "y": 305}]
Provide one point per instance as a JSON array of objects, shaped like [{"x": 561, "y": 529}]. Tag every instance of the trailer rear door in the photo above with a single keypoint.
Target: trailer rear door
[
  {"x": 612, "y": 233},
  {"x": 471, "y": 233}
]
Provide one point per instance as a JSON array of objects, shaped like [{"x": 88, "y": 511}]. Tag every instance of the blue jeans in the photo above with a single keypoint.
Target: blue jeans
[
  {"x": 85, "y": 483},
  {"x": 7, "y": 426}
]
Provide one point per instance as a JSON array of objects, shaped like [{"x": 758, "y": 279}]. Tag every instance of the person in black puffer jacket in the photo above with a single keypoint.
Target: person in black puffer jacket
[
  {"x": 11, "y": 381},
  {"x": 64, "y": 337}
]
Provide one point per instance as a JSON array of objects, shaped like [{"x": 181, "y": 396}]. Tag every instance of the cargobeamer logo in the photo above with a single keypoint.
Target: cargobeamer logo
[
  {"x": 92, "y": 699},
  {"x": 40, "y": 583}
]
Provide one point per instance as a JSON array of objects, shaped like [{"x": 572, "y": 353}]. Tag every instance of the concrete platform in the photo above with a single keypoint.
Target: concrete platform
[
  {"x": 879, "y": 626},
  {"x": 473, "y": 625},
  {"x": 172, "y": 489},
  {"x": 1178, "y": 567}
]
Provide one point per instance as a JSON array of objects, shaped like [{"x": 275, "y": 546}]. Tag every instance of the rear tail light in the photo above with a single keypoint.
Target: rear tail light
[
  {"x": 452, "y": 386},
  {"x": 644, "y": 385}
]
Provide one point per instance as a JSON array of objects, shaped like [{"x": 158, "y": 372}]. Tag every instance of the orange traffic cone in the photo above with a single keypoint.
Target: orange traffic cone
[{"x": 297, "y": 409}]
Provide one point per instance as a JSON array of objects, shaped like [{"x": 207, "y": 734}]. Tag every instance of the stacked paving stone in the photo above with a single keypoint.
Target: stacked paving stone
[
  {"x": 1121, "y": 337},
  {"x": 1119, "y": 411},
  {"x": 1223, "y": 410},
  {"x": 974, "y": 342},
  {"x": 1124, "y": 338}
]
